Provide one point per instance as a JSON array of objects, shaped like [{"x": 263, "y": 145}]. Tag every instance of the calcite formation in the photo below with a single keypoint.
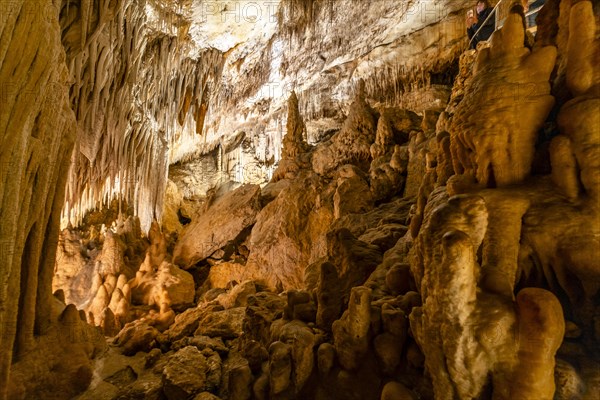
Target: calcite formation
[
  {"x": 162, "y": 81},
  {"x": 483, "y": 243},
  {"x": 38, "y": 129},
  {"x": 573, "y": 154},
  {"x": 294, "y": 144},
  {"x": 288, "y": 234},
  {"x": 390, "y": 154},
  {"x": 272, "y": 207},
  {"x": 496, "y": 340},
  {"x": 232, "y": 214},
  {"x": 353, "y": 142},
  {"x": 114, "y": 49},
  {"x": 495, "y": 145}
]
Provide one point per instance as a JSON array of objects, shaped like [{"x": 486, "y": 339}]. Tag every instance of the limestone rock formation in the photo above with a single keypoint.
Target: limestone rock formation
[
  {"x": 158, "y": 282},
  {"x": 481, "y": 243},
  {"x": 351, "y": 331},
  {"x": 223, "y": 222},
  {"x": 353, "y": 142},
  {"x": 62, "y": 358},
  {"x": 578, "y": 119},
  {"x": 289, "y": 233},
  {"x": 185, "y": 374},
  {"x": 352, "y": 194},
  {"x": 497, "y": 342},
  {"x": 389, "y": 167},
  {"x": 168, "y": 281},
  {"x": 495, "y": 145},
  {"x": 87, "y": 258},
  {"x": 419, "y": 222},
  {"x": 294, "y": 144},
  {"x": 37, "y": 131}
]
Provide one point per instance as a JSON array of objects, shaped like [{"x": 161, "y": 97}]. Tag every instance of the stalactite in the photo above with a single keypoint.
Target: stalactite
[{"x": 132, "y": 97}]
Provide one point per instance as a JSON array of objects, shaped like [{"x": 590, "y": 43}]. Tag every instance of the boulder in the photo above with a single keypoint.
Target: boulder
[
  {"x": 384, "y": 236},
  {"x": 187, "y": 322},
  {"x": 185, "y": 374},
  {"x": 263, "y": 309},
  {"x": 289, "y": 234},
  {"x": 220, "y": 275},
  {"x": 240, "y": 383},
  {"x": 147, "y": 287},
  {"x": 201, "y": 343},
  {"x": 213, "y": 371},
  {"x": 226, "y": 324},
  {"x": 137, "y": 336},
  {"x": 353, "y": 195},
  {"x": 219, "y": 225},
  {"x": 396, "y": 391}
]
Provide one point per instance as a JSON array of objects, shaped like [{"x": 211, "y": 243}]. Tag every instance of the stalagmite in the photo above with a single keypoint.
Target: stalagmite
[
  {"x": 294, "y": 144},
  {"x": 298, "y": 199},
  {"x": 515, "y": 100},
  {"x": 579, "y": 119}
]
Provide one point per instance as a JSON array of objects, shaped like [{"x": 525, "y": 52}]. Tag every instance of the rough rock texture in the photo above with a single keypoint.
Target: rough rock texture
[
  {"x": 103, "y": 256},
  {"x": 350, "y": 333},
  {"x": 294, "y": 150},
  {"x": 229, "y": 76},
  {"x": 37, "y": 132},
  {"x": 449, "y": 251},
  {"x": 496, "y": 342},
  {"x": 353, "y": 142},
  {"x": 289, "y": 234},
  {"x": 102, "y": 273},
  {"x": 389, "y": 167},
  {"x": 185, "y": 374},
  {"x": 61, "y": 361},
  {"x": 128, "y": 134},
  {"x": 514, "y": 83},
  {"x": 158, "y": 282},
  {"x": 493, "y": 245},
  {"x": 221, "y": 223},
  {"x": 352, "y": 194},
  {"x": 167, "y": 281}
]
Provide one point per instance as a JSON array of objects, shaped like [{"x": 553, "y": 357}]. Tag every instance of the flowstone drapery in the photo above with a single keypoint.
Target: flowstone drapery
[{"x": 492, "y": 264}]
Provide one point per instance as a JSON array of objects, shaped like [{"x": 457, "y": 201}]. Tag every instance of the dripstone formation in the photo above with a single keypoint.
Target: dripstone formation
[{"x": 379, "y": 245}]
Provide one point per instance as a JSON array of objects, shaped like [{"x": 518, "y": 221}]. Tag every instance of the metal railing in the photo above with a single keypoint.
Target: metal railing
[
  {"x": 500, "y": 19},
  {"x": 530, "y": 26}
]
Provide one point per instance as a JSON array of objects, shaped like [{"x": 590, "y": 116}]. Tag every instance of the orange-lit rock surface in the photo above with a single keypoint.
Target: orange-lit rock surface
[{"x": 332, "y": 200}]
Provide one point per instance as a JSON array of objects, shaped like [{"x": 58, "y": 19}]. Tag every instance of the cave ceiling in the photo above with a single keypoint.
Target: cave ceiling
[{"x": 156, "y": 82}]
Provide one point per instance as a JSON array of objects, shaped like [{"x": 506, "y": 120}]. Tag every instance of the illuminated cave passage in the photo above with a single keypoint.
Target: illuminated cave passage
[{"x": 299, "y": 199}]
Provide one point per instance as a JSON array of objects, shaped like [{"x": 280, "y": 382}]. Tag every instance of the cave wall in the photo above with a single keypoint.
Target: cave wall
[
  {"x": 140, "y": 94},
  {"x": 159, "y": 82},
  {"x": 505, "y": 246},
  {"x": 38, "y": 131},
  {"x": 108, "y": 61},
  {"x": 124, "y": 84}
]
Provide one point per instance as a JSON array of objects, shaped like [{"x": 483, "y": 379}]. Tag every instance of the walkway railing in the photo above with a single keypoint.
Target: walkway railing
[
  {"x": 494, "y": 12},
  {"x": 529, "y": 17},
  {"x": 501, "y": 13}
]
